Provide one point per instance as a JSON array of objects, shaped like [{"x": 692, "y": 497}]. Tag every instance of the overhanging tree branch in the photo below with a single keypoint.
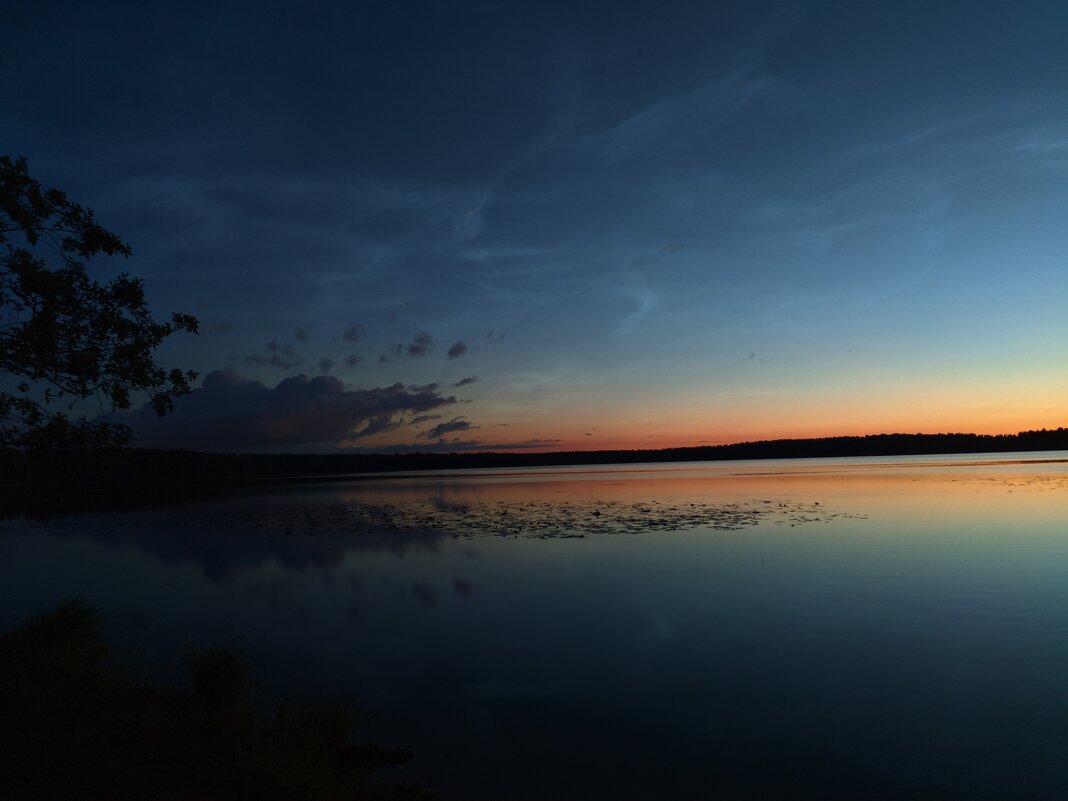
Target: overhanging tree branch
[{"x": 64, "y": 334}]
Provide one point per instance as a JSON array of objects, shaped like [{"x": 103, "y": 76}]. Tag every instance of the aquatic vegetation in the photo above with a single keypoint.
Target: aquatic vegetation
[{"x": 538, "y": 518}]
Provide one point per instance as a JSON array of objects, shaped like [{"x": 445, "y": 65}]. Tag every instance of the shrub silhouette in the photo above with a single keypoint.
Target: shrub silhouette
[{"x": 74, "y": 725}]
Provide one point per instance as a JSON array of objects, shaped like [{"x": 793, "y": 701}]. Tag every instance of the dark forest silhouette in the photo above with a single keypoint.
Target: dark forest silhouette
[
  {"x": 49, "y": 483},
  {"x": 169, "y": 465},
  {"x": 141, "y": 466}
]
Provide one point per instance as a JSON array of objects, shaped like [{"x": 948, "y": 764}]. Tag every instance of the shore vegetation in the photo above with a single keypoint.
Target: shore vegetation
[{"x": 75, "y": 724}]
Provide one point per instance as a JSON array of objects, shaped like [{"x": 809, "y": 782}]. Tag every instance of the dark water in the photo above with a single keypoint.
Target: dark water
[{"x": 881, "y": 628}]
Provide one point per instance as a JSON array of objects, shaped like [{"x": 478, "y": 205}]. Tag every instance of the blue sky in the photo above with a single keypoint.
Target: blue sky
[{"x": 647, "y": 224}]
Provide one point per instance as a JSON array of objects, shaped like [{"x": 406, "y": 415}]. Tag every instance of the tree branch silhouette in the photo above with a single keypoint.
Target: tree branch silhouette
[{"x": 65, "y": 337}]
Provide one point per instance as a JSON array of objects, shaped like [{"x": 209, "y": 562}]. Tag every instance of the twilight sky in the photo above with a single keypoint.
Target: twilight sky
[{"x": 450, "y": 225}]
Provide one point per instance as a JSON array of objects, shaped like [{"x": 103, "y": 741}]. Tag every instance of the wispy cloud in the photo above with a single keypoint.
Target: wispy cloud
[
  {"x": 700, "y": 109},
  {"x": 457, "y": 424}
]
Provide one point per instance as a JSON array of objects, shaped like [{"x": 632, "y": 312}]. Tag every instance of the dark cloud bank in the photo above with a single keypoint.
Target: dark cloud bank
[{"x": 231, "y": 412}]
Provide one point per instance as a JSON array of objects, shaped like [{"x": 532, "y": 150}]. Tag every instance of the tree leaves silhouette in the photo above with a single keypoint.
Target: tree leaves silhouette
[{"x": 64, "y": 337}]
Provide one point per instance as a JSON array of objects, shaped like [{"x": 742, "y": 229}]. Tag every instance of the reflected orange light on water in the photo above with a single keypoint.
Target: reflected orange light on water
[{"x": 974, "y": 491}]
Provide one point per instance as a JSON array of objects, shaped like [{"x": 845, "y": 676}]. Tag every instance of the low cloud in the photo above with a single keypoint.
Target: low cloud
[
  {"x": 755, "y": 357},
  {"x": 421, "y": 345},
  {"x": 275, "y": 360},
  {"x": 451, "y": 427},
  {"x": 354, "y": 333},
  {"x": 282, "y": 355},
  {"x": 326, "y": 364},
  {"x": 283, "y": 348},
  {"x": 353, "y": 359},
  {"x": 458, "y": 445},
  {"x": 463, "y": 382},
  {"x": 231, "y": 412},
  {"x": 457, "y": 350}
]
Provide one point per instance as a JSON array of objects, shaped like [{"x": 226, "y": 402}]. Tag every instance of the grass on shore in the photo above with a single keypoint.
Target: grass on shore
[{"x": 73, "y": 725}]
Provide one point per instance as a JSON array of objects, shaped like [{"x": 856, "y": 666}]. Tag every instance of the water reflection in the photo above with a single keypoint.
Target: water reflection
[
  {"x": 222, "y": 551},
  {"x": 317, "y": 525},
  {"x": 907, "y": 639}
]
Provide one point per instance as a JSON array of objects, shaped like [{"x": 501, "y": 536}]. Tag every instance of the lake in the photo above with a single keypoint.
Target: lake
[{"x": 891, "y": 627}]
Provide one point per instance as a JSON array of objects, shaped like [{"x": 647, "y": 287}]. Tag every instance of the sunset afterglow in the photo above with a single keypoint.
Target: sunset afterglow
[{"x": 466, "y": 228}]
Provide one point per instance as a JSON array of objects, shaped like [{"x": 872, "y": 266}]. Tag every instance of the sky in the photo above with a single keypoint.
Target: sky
[{"x": 465, "y": 225}]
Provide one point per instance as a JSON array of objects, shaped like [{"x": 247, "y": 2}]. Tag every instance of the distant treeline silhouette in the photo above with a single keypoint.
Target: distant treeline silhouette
[
  {"x": 46, "y": 484},
  {"x": 143, "y": 465}
]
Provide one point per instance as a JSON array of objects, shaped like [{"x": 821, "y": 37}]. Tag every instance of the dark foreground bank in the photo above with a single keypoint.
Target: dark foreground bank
[{"x": 75, "y": 725}]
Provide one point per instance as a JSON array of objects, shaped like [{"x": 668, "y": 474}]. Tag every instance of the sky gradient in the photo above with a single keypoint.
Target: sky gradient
[{"x": 418, "y": 226}]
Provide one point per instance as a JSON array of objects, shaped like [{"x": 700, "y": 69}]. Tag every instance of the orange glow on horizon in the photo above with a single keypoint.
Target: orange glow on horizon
[
  {"x": 699, "y": 417},
  {"x": 607, "y": 439}
]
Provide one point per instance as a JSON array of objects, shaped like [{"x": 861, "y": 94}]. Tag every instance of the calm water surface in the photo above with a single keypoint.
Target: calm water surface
[{"x": 864, "y": 628}]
